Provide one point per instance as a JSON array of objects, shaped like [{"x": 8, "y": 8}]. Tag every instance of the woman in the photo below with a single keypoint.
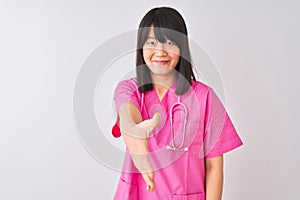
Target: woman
[{"x": 175, "y": 128}]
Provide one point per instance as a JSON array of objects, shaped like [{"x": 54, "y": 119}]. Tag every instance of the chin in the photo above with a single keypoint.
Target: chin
[{"x": 161, "y": 70}]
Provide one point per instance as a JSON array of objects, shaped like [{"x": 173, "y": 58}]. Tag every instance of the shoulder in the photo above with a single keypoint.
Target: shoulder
[
  {"x": 125, "y": 92},
  {"x": 205, "y": 92},
  {"x": 127, "y": 84},
  {"x": 200, "y": 87}
]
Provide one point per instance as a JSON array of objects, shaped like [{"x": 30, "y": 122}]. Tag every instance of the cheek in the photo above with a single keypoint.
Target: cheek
[
  {"x": 175, "y": 58},
  {"x": 146, "y": 55},
  {"x": 175, "y": 55}
]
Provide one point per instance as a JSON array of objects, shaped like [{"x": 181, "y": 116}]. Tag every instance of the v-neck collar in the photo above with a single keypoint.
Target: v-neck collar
[{"x": 173, "y": 88}]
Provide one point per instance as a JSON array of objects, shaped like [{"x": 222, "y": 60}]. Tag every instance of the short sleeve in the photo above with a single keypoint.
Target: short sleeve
[
  {"x": 126, "y": 92},
  {"x": 220, "y": 135}
]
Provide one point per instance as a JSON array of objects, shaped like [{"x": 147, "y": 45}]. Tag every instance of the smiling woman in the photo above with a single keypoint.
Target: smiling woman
[
  {"x": 175, "y": 128},
  {"x": 163, "y": 31}
]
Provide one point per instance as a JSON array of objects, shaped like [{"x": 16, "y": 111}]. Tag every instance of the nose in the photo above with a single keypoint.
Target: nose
[{"x": 160, "y": 50}]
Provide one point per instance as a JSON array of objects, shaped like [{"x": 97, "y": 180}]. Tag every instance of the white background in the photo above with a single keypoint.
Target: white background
[{"x": 255, "y": 46}]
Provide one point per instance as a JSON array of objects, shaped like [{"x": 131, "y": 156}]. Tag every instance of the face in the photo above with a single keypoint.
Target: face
[{"x": 161, "y": 58}]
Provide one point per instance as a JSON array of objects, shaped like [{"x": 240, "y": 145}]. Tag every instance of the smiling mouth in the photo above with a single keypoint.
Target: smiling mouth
[{"x": 158, "y": 62}]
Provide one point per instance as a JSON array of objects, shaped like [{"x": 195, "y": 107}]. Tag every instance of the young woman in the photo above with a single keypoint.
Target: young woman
[{"x": 175, "y": 128}]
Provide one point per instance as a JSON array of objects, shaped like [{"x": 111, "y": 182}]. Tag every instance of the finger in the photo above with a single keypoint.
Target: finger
[
  {"x": 148, "y": 178},
  {"x": 151, "y": 186}
]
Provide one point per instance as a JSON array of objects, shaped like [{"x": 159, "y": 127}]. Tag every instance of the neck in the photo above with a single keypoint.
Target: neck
[{"x": 163, "y": 81}]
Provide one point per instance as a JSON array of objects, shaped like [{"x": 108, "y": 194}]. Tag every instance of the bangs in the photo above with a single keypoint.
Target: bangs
[
  {"x": 162, "y": 34},
  {"x": 166, "y": 26}
]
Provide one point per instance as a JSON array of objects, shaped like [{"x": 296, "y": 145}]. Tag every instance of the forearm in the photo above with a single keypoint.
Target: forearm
[
  {"x": 135, "y": 133},
  {"x": 136, "y": 141},
  {"x": 214, "y": 181},
  {"x": 131, "y": 122}
]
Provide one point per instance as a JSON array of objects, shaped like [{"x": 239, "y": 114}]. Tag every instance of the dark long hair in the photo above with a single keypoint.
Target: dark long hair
[{"x": 167, "y": 23}]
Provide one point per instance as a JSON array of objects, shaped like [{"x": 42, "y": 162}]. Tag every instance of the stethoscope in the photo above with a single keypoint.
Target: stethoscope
[{"x": 176, "y": 106}]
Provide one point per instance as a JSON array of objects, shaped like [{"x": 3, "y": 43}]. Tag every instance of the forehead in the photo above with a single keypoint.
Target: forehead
[
  {"x": 157, "y": 33},
  {"x": 151, "y": 32}
]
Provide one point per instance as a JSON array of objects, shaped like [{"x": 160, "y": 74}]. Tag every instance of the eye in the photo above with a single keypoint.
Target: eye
[
  {"x": 151, "y": 42},
  {"x": 170, "y": 43}
]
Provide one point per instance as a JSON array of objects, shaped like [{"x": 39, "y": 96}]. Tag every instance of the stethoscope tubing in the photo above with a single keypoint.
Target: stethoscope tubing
[{"x": 173, "y": 108}]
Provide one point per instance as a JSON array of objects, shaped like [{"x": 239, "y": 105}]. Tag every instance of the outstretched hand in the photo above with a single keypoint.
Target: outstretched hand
[
  {"x": 139, "y": 151},
  {"x": 150, "y": 124}
]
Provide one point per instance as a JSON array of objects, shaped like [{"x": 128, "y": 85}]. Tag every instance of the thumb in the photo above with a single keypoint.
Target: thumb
[{"x": 155, "y": 121}]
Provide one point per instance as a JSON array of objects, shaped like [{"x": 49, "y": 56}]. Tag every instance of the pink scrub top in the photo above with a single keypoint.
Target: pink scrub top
[{"x": 178, "y": 175}]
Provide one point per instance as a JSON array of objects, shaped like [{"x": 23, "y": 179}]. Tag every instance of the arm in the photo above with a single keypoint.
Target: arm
[
  {"x": 131, "y": 122},
  {"x": 135, "y": 132},
  {"x": 214, "y": 178}
]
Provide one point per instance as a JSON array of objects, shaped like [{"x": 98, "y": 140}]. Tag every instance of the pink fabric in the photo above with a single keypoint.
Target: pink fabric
[{"x": 178, "y": 175}]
